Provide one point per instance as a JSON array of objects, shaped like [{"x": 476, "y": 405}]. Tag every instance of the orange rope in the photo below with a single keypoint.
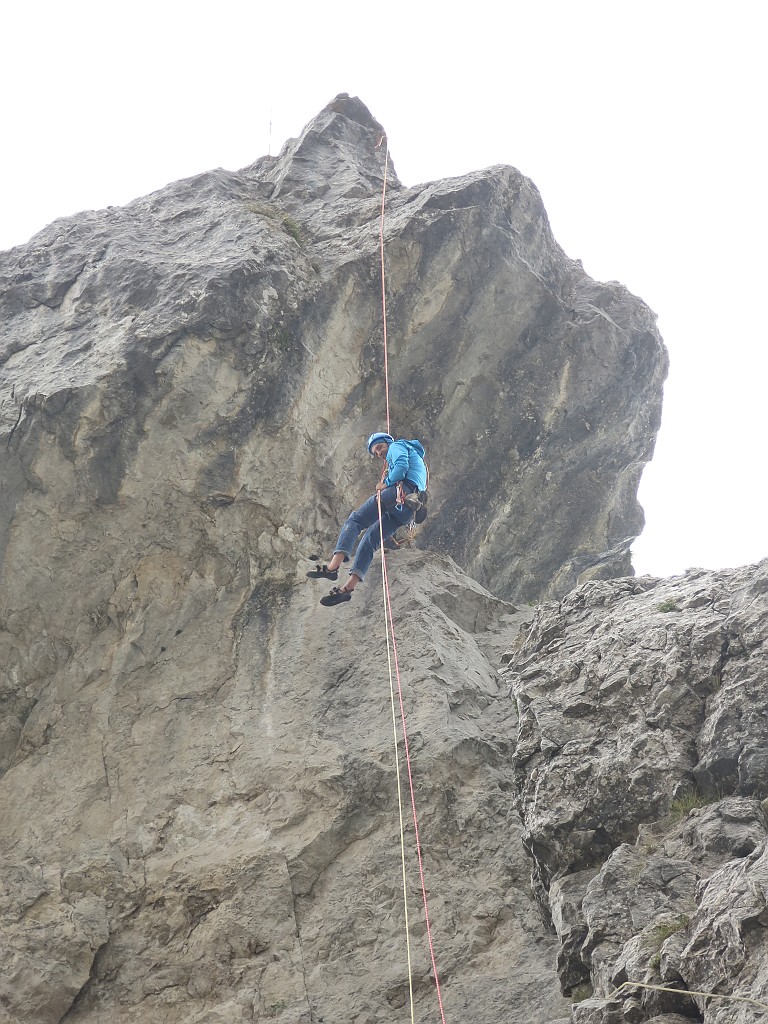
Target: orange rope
[
  {"x": 397, "y": 775},
  {"x": 391, "y": 628},
  {"x": 383, "y": 281},
  {"x": 410, "y": 784}
]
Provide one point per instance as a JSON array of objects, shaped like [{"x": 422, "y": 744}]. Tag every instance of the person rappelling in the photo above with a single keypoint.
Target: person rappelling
[{"x": 401, "y": 494}]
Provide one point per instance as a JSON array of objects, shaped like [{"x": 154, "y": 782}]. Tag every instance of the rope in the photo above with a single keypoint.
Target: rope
[
  {"x": 690, "y": 992},
  {"x": 383, "y": 280},
  {"x": 397, "y": 767},
  {"x": 389, "y": 626},
  {"x": 410, "y": 782}
]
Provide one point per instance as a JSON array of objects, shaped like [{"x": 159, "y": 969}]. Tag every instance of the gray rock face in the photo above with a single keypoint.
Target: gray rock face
[
  {"x": 641, "y": 763},
  {"x": 185, "y": 843},
  {"x": 198, "y": 798},
  {"x": 240, "y": 315}
]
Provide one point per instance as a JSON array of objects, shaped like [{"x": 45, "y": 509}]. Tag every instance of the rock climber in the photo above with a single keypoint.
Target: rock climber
[{"x": 401, "y": 491}]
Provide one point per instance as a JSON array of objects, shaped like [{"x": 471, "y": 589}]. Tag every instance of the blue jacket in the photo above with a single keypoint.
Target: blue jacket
[{"x": 405, "y": 461}]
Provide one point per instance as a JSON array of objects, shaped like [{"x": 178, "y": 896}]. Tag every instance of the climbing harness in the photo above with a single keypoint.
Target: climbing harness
[{"x": 392, "y": 662}]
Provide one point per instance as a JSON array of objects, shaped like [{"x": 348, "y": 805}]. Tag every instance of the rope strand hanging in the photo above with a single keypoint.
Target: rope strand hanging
[
  {"x": 383, "y": 275},
  {"x": 392, "y": 659},
  {"x": 397, "y": 775}
]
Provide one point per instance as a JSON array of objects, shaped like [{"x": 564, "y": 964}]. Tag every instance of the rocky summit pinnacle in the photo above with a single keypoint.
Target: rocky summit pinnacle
[
  {"x": 340, "y": 152},
  {"x": 198, "y": 791}
]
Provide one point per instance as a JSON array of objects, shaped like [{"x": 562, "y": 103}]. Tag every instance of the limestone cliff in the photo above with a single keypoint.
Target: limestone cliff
[
  {"x": 642, "y": 763},
  {"x": 227, "y": 331},
  {"x": 198, "y": 805},
  {"x": 200, "y": 817}
]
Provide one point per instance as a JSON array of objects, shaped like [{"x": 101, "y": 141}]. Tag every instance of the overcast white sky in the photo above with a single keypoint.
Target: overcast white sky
[{"x": 641, "y": 123}]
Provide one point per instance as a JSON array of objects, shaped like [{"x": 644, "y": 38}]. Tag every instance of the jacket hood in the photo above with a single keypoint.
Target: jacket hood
[{"x": 416, "y": 445}]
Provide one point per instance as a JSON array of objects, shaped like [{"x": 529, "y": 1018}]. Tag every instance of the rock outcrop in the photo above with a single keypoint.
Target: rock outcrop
[
  {"x": 198, "y": 799},
  {"x": 185, "y": 843},
  {"x": 228, "y": 329},
  {"x": 642, "y": 760}
]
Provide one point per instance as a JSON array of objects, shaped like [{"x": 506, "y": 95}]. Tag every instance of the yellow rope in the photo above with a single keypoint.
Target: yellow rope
[
  {"x": 691, "y": 992},
  {"x": 387, "y": 623},
  {"x": 397, "y": 768}
]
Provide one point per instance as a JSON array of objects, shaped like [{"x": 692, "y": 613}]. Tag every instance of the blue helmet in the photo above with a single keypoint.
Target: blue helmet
[{"x": 377, "y": 438}]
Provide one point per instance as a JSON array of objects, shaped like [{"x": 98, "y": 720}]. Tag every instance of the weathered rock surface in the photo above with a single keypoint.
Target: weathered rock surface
[
  {"x": 198, "y": 806},
  {"x": 186, "y": 842},
  {"x": 642, "y": 761},
  {"x": 232, "y": 324}
]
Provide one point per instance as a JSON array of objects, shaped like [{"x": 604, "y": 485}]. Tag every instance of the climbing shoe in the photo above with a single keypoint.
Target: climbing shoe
[
  {"x": 322, "y": 572},
  {"x": 336, "y": 596},
  {"x": 417, "y": 502}
]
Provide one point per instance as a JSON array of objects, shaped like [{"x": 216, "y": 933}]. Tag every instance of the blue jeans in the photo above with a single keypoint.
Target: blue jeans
[{"x": 367, "y": 518}]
